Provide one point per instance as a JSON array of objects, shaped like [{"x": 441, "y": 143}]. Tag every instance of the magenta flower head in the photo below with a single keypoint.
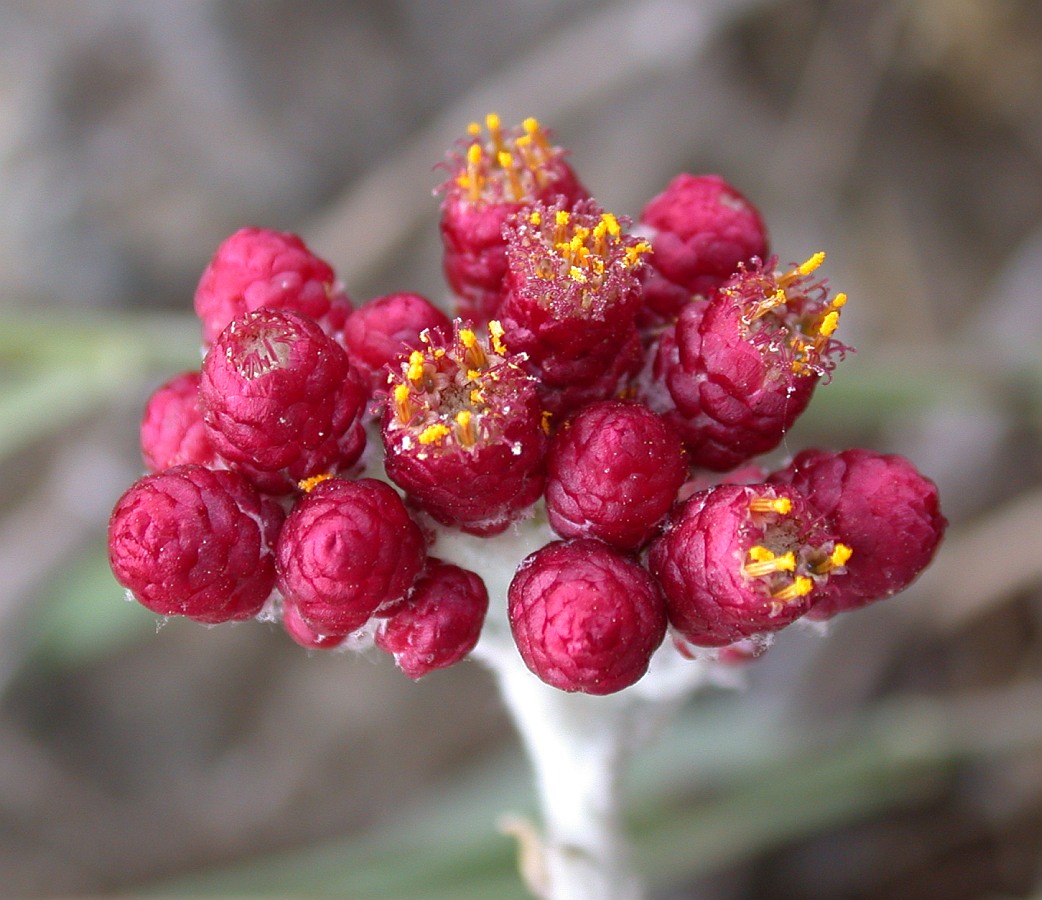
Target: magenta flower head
[
  {"x": 190, "y": 541},
  {"x": 744, "y": 364},
  {"x": 380, "y": 330},
  {"x": 439, "y": 623},
  {"x": 257, "y": 267},
  {"x": 463, "y": 431},
  {"x": 493, "y": 177},
  {"x": 741, "y": 560},
  {"x": 573, "y": 296},
  {"x": 879, "y": 505},
  {"x": 347, "y": 548},
  {"x": 585, "y": 617},
  {"x": 613, "y": 472},
  {"x": 281, "y": 400},
  {"x": 172, "y": 429},
  {"x": 701, "y": 229}
]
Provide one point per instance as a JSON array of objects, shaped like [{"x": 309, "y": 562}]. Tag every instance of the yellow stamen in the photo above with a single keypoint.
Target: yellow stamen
[
  {"x": 577, "y": 274},
  {"x": 307, "y": 485},
  {"x": 493, "y": 125},
  {"x": 506, "y": 163},
  {"x": 800, "y": 587},
  {"x": 465, "y": 428},
  {"x": 780, "y": 505},
  {"x": 402, "y": 407},
  {"x": 803, "y": 269},
  {"x": 475, "y": 354},
  {"x": 829, "y": 324},
  {"x": 633, "y": 254},
  {"x": 474, "y": 129},
  {"x": 433, "y": 433},
  {"x": 839, "y": 556},
  {"x": 534, "y": 218},
  {"x": 415, "y": 370},
  {"x": 545, "y": 421},
  {"x": 768, "y": 563},
  {"x": 496, "y": 332}
]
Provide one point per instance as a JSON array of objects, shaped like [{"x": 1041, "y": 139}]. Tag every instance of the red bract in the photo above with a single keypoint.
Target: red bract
[
  {"x": 347, "y": 548},
  {"x": 305, "y": 634},
  {"x": 573, "y": 296},
  {"x": 585, "y": 617},
  {"x": 257, "y": 267},
  {"x": 438, "y": 623},
  {"x": 194, "y": 542},
  {"x": 613, "y": 472},
  {"x": 281, "y": 400},
  {"x": 172, "y": 429},
  {"x": 701, "y": 229},
  {"x": 492, "y": 178},
  {"x": 741, "y": 367},
  {"x": 463, "y": 431},
  {"x": 379, "y": 331},
  {"x": 738, "y": 560},
  {"x": 882, "y": 507}
]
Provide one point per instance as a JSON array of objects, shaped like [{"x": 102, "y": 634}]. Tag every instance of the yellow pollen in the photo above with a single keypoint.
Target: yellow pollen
[
  {"x": 838, "y": 301},
  {"x": 467, "y": 338},
  {"x": 780, "y": 505},
  {"x": 534, "y": 218},
  {"x": 530, "y": 125},
  {"x": 800, "y": 587},
  {"x": 545, "y": 421},
  {"x": 811, "y": 264},
  {"x": 611, "y": 224},
  {"x": 465, "y": 428},
  {"x": 433, "y": 433},
  {"x": 402, "y": 406},
  {"x": 561, "y": 217},
  {"x": 577, "y": 274},
  {"x": 633, "y": 254},
  {"x": 474, "y": 153},
  {"x": 496, "y": 332},
  {"x": 473, "y": 375},
  {"x": 309, "y": 484},
  {"x": 415, "y": 372},
  {"x": 767, "y": 563},
  {"x": 474, "y": 129},
  {"x": 476, "y": 397},
  {"x": 829, "y": 324},
  {"x": 492, "y": 122},
  {"x": 841, "y": 553}
]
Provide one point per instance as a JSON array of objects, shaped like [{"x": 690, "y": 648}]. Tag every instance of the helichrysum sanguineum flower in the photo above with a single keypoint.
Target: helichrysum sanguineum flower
[{"x": 617, "y": 384}]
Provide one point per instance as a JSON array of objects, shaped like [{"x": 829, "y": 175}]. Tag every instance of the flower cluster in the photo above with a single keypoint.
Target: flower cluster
[{"x": 617, "y": 381}]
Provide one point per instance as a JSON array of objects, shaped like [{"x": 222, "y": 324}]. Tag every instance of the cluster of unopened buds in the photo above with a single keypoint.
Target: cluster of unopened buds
[{"x": 615, "y": 380}]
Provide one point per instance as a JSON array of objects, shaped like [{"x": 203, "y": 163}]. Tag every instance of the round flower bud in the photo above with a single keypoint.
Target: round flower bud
[
  {"x": 613, "y": 472},
  {"x": 882, "y": 507},
  {"x": 347, "y": 548},
  {"x": 190, "y": 541},
  {"x": 742, "y": 366},
  {"x": 305, "y": 634},
  {"x": 280, "y": 399},
  {"x": 439, "y": 623},
  {"x": 257, "y": 267},
  {"x": 739, "y": 560},
  {"x": 585, "y": 617},
  {"x": 382, "y": 329},
  {"x": 172, "y": 429},
  {"x": 492, "y": 178}
]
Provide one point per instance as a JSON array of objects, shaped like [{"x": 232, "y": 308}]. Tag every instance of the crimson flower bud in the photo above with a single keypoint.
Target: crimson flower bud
[
  {"x": 492, "y": 178},
  {"x": 739, "y": 560},
  {"x": 573, "y": 296},
  {"x": 306, "y": 635},
  {"x": 463, "y": 431},
  {"x": 438, "y": 623},
  {"x": 701, "y": 230},
  {"x": 743, "y": 365},
  {"x": 585, "y": 617},
  {"x": 613, "y": 472},
  {"x": 377, "y": 332},
  {"x": 172, "y": 429},
  {"x": 879, "y": 505},
  {"x": 191, "y": 541},
  {"x": 257, "y": 267},
  {"x": 347, "y": 548},
  {"x": 281, "y": 400}
]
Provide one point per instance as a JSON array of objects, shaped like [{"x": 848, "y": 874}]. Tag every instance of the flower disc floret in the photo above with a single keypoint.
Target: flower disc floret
[
  {"x": 613, "y": 472},
  {"x": 258, "y": 267},
  {"x": 740, "y": 560},
  {"x": 347, "y": 548},
  {"x": 439, "y": 623},
  {"x": 585, "y": 617},
  {"x": 463, "y": 430},
  {"x": 281, "y": 400},
  {"x": 191, "y": 541},
  {"x": 882, "y": 507}
]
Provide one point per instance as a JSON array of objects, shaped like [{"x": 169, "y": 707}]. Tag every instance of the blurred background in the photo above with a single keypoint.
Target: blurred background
[{"x": 900, "y": 756}]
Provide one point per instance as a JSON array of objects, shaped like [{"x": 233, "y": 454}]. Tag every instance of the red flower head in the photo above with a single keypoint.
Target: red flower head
[
  {"x": 573, "y": 298},
  {"x": 257, "y": 267},
  {"x": 438, "y": 623},
  {"x": 190, "y": 541},
  {"x": 880, "y": 506},
  {"x": 172, "y": 429},
  {"x": 347, "y": 548},
  {"x": 492, "y": 178},
  {"x": 463, "y": 431},
  {"x": 613, "y": 472},
  {"x": 281, "y": 400},
  {"x": 743, "y": 365},
  {"x": 585, "y": 617},
  {"x": 702, "y": 229},
  {"x": 739, "y": 560}
]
